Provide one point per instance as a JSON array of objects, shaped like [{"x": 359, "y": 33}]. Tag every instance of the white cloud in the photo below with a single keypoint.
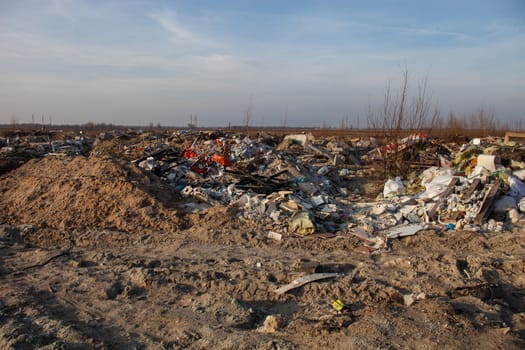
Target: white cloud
[
  {"x": 437, "y": 32},
  {"x": 17, "y": 47},
  {"x": 180, "y": 34},
  {"x": 167, "y": 20}
]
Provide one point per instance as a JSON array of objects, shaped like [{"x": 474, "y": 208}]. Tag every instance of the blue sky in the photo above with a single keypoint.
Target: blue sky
[{"x": 299, "y": 63}]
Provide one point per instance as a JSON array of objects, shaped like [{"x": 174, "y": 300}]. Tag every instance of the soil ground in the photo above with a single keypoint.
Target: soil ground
[{"x": 96, "y": 254}]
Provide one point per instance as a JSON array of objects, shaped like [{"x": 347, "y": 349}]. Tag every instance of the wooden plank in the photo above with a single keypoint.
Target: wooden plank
[
  {"x": 306, "y": 279},
  {"x": 473, "y": 186},
  {"x": 153, "y": 154},
  {"x": 361, "y": 233},
  {"x": 277, "y": 174},
  {"x": 442, "y": 197},
  {"x": 264, "y": 184},
  {"x": 488, "y": 203},
  {"x": 514, "y": 135},
  {"x": 320, "y": 151}
]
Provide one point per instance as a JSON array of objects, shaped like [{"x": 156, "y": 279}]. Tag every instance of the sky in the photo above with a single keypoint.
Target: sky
[{"x": 289, "y": 63}]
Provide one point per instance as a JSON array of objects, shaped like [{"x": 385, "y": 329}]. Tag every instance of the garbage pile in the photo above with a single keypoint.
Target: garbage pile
[
  {"x": 43, "y": 143},
  {"x": 18, "y": 147},
  {"x": 302, "y": 186},
  {"x": 268, "y": 179},
  {"x": 306, "y": 186},
  {"x": 480, "y": 189},
  {"x": 416, "y": 151}
]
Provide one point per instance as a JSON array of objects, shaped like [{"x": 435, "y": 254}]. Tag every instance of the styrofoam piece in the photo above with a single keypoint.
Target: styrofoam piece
[{"x": 402, "y": 231}]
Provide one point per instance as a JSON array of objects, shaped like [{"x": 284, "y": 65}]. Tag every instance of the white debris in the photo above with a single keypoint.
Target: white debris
[{"x": 402, "y": 231}]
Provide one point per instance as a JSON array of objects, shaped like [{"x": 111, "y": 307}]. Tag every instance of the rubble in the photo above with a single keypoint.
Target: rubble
[
  {"x": 411, "y": 298},
  {"x": 208, "y": 228},
  {"x": 18, "y": 147},
  {"x": 299, "y": 184},
  {"x": 272, "y": 324}
]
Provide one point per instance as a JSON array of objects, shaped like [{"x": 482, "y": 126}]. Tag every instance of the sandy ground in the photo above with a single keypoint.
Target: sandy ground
[{"x": 96, "y": 255}]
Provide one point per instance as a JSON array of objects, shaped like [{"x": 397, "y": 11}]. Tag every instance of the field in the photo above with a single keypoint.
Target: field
[{"x": 97, "y": 253}]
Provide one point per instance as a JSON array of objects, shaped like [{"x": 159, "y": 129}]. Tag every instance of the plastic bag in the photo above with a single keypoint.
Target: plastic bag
[
  {"x": 437, "y": 186},
  {"x": 517, "y": 187},
  {"x": 301, "y": 223},
  {"x": 393, "y": 187}
]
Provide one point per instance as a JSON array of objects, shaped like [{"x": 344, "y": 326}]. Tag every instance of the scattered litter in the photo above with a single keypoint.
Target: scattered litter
[
  {"x": 321, "y": 199},
  {"x": 306, "y": 279},
  {"x": 274, "y": 235},
  {"x": 339, "y": 305}
]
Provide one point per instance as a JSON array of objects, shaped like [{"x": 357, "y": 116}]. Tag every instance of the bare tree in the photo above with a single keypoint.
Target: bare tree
[
  {"x": 402, "y": 114},
  {"x": 248, "y": 113},
  {"x": 14, "y": 120},
  {"x": 285, "y": 117},
  {"x": 481, "y": 121},
  {"x": 423, "y": 114}
]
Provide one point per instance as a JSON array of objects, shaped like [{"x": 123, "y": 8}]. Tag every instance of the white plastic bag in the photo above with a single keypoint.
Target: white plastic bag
[
  {"x": 437, "y": 186},
  {"x": 393, "y": 187}
]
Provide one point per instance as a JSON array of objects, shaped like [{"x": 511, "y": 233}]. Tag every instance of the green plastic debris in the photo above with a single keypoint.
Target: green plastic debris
[{"x": 301, "y": 223}]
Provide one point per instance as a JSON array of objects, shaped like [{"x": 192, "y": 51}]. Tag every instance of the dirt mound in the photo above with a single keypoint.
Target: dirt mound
[{"x": 80, "y": 192}]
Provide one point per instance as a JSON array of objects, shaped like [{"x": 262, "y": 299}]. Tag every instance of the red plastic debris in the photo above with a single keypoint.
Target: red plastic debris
[
  {"x": 199, "y": 168},
  {"x": 189, "y": 153},
  {"x": 221, "y": 159}
]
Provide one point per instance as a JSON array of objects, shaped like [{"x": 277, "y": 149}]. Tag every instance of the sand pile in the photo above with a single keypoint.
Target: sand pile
[{"x": 83, "y": 192}]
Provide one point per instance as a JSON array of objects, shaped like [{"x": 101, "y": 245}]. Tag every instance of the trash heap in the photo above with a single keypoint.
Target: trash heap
[
  {"x": 17, "y": 147},
  {"x": 302, "y": 186},
  {"x": 306, "y": 186},
  {"x": 479, "y": 189},
  {"x": 416, "y": 151},
  {"x": 43, "y": 143},
  {"x": 297, "y": 184}
]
